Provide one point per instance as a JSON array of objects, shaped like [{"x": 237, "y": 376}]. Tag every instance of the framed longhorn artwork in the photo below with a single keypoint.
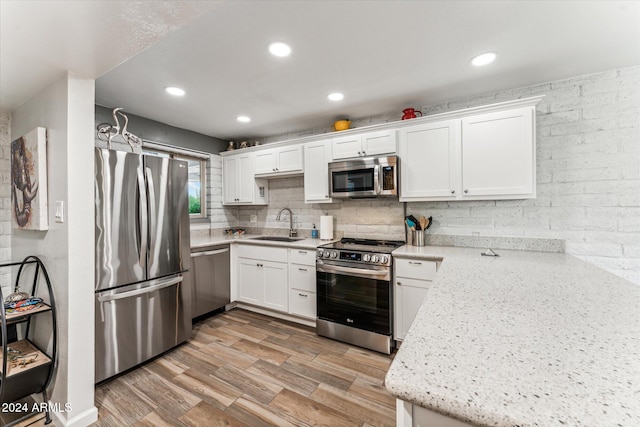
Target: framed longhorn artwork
[{"x": 29, "y": 181}]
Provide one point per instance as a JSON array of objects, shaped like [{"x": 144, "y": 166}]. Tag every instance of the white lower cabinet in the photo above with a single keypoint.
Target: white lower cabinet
[
  {"x": 277, "y": 278},
  {"x": 262, "y": 276},
  {"x": 250, "y": 281},
  {"x": 275, "y": 286},
  {"x": 413, "y": 278},
  {"x": 302, "y": 303},
  {"x": 302, "y": 282},
  {"x": 408, "y": 415}
]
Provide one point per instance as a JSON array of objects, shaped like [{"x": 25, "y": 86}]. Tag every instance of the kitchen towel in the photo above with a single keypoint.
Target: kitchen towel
[{"x": 326, "y": 227}]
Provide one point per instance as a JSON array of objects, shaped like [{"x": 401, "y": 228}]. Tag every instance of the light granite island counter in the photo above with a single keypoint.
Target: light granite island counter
[{"x": 525, "y": 339}]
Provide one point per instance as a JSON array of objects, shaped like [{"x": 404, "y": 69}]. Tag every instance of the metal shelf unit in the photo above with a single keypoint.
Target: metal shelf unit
[{"x": 21, "y": 378}]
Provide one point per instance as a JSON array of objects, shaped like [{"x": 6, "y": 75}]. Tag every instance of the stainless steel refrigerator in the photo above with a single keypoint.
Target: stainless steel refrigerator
[{"x": 143, "y": 296}]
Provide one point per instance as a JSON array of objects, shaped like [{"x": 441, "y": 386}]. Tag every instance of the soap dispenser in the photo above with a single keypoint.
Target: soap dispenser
[{"x": 314, "y": 232}]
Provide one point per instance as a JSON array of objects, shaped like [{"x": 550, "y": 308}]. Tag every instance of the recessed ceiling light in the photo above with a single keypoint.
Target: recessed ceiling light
[
  {"x": 243, "y": 119},
  {"x": 335, "y": 96},
  {"x": 175, "y": 91},
  {"x": 483, "y": 59},
  {"x": 280, "y": 49}
]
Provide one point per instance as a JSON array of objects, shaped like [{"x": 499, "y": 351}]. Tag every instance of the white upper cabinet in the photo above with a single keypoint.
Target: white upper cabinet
[
  {"x": 239, "y": 184},
  {"x": 479, "y": 153},
  {"x": 472, "y": 156},
  {"x": 316, "y": 173},
  {"x": 498, "y": 154},
  {"x": 279, "y": 161},
  {"x": 265, "y": 161},
  {"x": 429, "y": 161},
  {"x": 346, "y": 147},
  {"x": 366, "y": 144},
  {"x": 383, "y": 142}
]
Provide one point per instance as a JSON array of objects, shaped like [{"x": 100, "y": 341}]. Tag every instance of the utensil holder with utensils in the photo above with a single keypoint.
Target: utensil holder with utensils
[
  {"x": 417, "y": 229},
  {"x": 417, "y": 237}
]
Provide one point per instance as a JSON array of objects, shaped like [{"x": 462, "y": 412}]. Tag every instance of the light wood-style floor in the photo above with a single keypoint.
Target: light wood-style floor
[{"x": 246, "y": 369}]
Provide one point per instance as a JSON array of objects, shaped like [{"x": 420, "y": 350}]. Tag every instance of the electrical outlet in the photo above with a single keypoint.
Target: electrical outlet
[{"x": 253, "y": 218}]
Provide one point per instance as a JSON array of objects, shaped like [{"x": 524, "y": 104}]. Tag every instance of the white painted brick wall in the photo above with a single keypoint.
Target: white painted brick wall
[
  {"x": 220, "y": 217},
  {"x": 588, "y": 176},
  {"x": 588, "y": 153},
  {"x": 5, "y": 199}
]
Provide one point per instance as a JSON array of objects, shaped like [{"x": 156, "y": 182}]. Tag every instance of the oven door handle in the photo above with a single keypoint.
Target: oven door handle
[{"x": 351, "y": 271}]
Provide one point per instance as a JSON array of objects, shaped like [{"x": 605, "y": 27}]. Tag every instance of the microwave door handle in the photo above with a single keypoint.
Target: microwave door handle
[{"x": 376, "y": 179}]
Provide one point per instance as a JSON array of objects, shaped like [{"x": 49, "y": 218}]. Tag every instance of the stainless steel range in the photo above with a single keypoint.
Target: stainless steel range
[{"x": 355, "y": 294}]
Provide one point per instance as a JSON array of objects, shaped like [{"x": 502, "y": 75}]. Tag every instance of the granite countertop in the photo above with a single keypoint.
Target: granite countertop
[
  {"x": 305, "y": 243},
  {"x": 528, "y": 339}
]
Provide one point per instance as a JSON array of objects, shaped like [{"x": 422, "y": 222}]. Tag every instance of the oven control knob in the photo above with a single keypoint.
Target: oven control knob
[
  {"x": 334, "y": 254},
  {"x": 366, "y": 257},
  {"x": 384, "y": 259},
  {"x": 375, "y": 258},
  {"x": 326, "y": 253}
]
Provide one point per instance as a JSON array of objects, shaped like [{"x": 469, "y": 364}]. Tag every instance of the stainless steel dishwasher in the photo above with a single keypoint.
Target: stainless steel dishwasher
[{"x": 211, "y": 283}]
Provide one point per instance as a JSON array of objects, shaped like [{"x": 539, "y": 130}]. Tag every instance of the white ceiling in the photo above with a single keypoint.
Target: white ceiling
[
  {"x": 40, "y": 40},
  {"x": 384, "y": 55}
]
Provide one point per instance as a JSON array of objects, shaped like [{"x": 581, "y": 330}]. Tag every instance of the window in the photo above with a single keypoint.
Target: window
[
  {"x": 197, "y": 180},
  {"x": 196, "y": 185}
]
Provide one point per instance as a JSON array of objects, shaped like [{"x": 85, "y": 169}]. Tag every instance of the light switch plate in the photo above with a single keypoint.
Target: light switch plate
[
  {"x": 253, "y": 218},
  {"x": 59, "y": 211}
]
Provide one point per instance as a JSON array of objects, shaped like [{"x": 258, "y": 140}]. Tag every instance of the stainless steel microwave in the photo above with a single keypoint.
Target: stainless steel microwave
[{"x": 364, "y": 177}]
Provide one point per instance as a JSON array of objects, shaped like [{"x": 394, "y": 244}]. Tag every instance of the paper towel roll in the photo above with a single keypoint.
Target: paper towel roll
[{"x": 326, "y": 227}]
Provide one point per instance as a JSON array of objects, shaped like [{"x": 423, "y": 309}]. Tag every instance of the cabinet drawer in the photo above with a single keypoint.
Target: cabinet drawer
[
  {"x": 303, "y": 256},
  {"x": 415, "y": 268},
  {"x": 302, "y": 277},
  {"x": 302, "y": 303},
  {"x": 265, "y": 253},
  {"x": 416, "y": 283}
]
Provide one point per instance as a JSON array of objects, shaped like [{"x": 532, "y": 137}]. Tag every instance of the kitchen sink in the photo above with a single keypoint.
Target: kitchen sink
[{"x": 277, "y": 238}]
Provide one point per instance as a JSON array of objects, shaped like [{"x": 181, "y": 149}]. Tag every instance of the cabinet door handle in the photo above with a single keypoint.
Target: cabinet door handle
[
  {"x": 415, "y": 263},
  {"x": 364, "y": 153},
  {"x": 399, "y": 283},
  {"x": 466, "y": 191},
  {"x": 359, "y": 153},
  {"x": 302, "y": 252},
  {"x": 453, "y": 191},
  {"x": 302, "y": 269},
  {"x": 303, "y": 295}
]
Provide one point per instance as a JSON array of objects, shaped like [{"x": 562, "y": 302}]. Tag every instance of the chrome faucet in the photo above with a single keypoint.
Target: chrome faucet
[{"x": 292, "y": 232}]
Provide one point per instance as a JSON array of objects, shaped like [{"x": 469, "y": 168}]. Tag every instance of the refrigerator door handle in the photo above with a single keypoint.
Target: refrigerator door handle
[
  {"x": 142, "y": 220},
  {"x": 152, "y": 202},
  {"x": 163, "y": 284}
]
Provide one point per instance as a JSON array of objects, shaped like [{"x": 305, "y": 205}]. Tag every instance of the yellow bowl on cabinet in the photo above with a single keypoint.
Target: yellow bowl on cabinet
[{"x": 342, "y": 125}]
